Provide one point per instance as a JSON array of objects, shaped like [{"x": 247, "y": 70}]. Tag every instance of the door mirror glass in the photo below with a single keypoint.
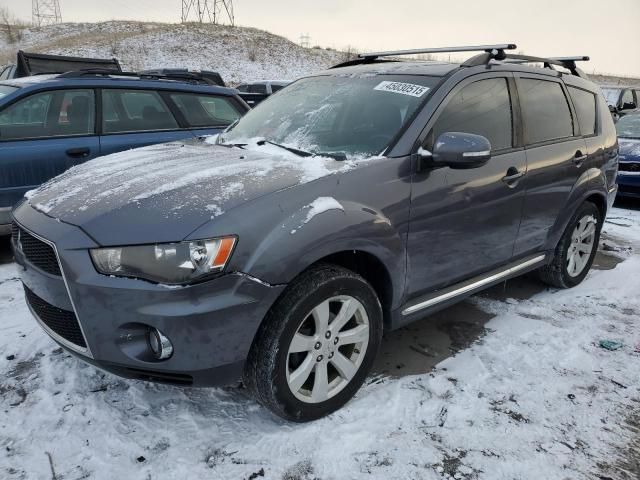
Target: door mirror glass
[{"x": 461, "y": 150}]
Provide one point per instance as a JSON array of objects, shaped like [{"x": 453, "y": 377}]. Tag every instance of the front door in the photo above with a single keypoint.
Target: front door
[
  {"x": 43, "y": 135},
  {"x": 465, "y": 222}
]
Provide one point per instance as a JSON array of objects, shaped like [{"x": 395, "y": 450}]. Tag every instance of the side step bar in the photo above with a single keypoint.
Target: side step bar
[{"x": 472, "y": 285}]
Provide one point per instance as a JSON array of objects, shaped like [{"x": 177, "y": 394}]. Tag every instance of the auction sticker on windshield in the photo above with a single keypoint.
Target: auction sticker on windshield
[{"x": 402, "y": 88}]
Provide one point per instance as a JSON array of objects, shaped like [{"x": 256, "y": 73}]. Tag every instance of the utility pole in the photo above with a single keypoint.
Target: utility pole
[
  {"x": 208, "y": 11},
  {"x": 45, "y": 12},
  {"x": 305, "y": 40}
]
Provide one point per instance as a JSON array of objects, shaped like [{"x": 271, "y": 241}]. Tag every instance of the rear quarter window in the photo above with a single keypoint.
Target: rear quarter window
[
  {"x": 584, "y": 103},
  {"x": 206, "y": 110},
  {"x": 545, "y": 111}
]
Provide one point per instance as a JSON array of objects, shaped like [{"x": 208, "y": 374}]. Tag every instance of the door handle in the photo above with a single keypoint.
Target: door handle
[
  {"x": 579, "y": 158},
  {"x": 513, "y": 175},
  {"x": 79, "y": 152}
]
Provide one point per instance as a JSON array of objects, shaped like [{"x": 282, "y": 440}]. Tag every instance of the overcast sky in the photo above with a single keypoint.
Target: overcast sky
[{"x": 607, "y": 31}]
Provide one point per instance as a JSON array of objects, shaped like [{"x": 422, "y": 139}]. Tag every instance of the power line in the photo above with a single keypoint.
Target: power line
[
  {"x": 208, "y": 11},
  {"x": 45, "y": 12}
]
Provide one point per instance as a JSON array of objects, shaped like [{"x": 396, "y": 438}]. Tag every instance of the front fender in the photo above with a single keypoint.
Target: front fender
[{"x": 301, "y": 240}]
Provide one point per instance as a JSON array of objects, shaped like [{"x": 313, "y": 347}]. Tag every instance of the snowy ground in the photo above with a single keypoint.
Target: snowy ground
[{"x": 510, "y": 384}]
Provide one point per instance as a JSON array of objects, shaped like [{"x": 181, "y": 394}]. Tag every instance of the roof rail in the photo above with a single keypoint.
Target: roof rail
[
  {"x": 496, "y": 51},
  {"x": 567, "y": 62},
  {"x": 191, "y": 77}
]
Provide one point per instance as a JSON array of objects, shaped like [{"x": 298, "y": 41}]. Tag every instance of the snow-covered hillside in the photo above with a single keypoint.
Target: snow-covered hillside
[{"x": 239, "y": 54}]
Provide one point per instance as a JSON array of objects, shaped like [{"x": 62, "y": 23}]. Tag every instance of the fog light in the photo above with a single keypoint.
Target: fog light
[{"x": 160, "y": 345}]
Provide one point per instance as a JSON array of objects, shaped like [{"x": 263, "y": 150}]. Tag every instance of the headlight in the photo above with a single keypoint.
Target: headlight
[{"x": 169, "y": 263}]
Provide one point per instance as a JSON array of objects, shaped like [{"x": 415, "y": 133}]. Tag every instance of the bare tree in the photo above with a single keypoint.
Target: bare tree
[
  {"x": 349, "y": 53},
  {"x": 11, "y": 26}
]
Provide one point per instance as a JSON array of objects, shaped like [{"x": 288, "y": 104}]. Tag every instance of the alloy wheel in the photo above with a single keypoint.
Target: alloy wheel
[
  {"x": 327, "y": 349},
  {"x": 582, "y": 244}
]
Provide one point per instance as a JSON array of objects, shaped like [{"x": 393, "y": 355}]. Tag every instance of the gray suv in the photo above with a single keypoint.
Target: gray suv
[{"x": 353, "y": 202}]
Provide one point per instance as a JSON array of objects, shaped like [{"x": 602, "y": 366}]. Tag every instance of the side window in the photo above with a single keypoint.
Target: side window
[
  {"x": 135, "y": 111},
  {"x": 585, "y": 105},
  {"x": 275, "y": 88},
  {"x": 482, "y": 108},
  {"x": 545, "y": 111},
  {"x": 50, "y": 114},
  {"x": 627, "y": 100},
  {"x": 257, "y": 88},
  {"x": 206, "y": 110}
]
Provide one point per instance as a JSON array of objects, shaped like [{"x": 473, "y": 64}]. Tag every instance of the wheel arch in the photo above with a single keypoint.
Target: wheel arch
[{"x": 590, "y": 187}]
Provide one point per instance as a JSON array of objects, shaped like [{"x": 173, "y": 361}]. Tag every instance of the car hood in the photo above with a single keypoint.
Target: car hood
[
  {"x": 162, "y": 193},
  {"x": 629, "y": 149}
]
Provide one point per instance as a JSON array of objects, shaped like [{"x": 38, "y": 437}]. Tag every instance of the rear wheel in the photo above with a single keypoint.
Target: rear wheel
[
  {"x": 576, "y": 250},
  {"x": 317, "y": 344}
]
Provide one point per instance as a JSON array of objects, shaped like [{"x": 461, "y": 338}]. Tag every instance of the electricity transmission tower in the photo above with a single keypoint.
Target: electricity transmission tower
[
  {"x": 305, "y": 40},
  {"x": 208, "y": 11},
  {"x": 45, "y": 12}
]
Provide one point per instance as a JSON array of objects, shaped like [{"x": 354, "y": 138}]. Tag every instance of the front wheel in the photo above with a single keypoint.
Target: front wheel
[
  {"x": 576, "y": 250},
  {"x": 316, "y": 345}
]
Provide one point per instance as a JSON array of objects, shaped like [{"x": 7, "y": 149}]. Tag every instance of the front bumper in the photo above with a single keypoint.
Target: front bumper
[
  {"x": 211, "y": 325},
  {"x": 628, "y": 184}
]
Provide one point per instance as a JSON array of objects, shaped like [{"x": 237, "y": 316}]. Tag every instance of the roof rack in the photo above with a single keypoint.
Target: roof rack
[
  {"x": 190, "y": 77},
  {"x": 490, "y": 53},
  {"x": 567, "y": 62},
  {"x": 497, "y": 51}
]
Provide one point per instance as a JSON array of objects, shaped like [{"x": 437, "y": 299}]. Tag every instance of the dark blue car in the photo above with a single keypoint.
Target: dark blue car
[
  {"x": 629, "y": 167},
  {"x": 49, "y": 123}
]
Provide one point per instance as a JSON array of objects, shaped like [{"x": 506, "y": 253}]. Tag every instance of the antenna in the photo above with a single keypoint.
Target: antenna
[
  {"x": 208, "y": 11},
  {"x": 45, "y": 12}
]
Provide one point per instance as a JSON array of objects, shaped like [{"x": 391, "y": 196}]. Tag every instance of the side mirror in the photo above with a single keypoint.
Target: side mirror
[{"x": 459, "y": 151}]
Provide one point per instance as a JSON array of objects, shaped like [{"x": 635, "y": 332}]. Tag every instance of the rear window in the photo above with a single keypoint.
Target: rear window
[
  {"x": 6, "y": 90},
  {"x": 545, "y": 111},
  {"x": 257, "y": 88},
  {"x": 585, "y": 105},
  {"x": 135, "y": 111},
  {"x": 206, "y": 110}
]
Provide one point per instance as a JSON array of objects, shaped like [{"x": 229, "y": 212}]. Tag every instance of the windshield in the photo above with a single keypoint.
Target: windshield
[
  {"x": 611, "y": 95},
  {"x": 350, "y": 115},
  {"x": 6, "y": 90},
  {"x": 629, "y": 126}
]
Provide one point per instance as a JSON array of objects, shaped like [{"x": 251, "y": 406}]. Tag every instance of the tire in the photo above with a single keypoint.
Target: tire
[
  {"x": 276, "y": 365},
  {"x": 560, "y": 272}
]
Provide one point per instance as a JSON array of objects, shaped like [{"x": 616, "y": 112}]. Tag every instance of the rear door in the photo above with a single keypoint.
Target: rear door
[
  {"x": 556, "y": 156},
  {"x": 43, "y": 135},
  {"x": 134, "y": 118},
  {"x": 206, "y": 114},
  {"x": 465, "y": 222}
]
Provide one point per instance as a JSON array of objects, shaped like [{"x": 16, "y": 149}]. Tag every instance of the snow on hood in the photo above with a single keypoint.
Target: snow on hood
[
  {"x": 180, "y": 184},
  {"x": 629, "y": 149}
]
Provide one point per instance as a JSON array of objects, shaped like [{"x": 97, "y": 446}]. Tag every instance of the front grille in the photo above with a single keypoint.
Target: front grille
[
  {"x": 62, "y": 322},
  {"x": 35, "y": 251},
  {"x": 629, "y": 167}
]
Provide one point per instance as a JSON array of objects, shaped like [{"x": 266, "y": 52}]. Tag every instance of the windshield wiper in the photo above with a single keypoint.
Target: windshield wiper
[
  {"x": 339, "y": 156},
  {"x": 297, "y": 151}
]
